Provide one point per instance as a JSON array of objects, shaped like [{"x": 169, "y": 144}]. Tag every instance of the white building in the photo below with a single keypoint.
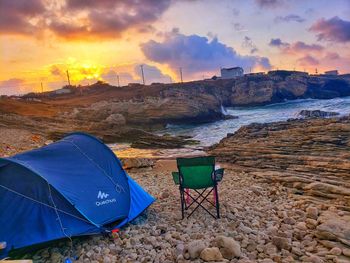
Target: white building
[
  {"x": 331, "y": 72},
  {"x": 62, "y": 91},
  {"x": 230, "y": 73}
]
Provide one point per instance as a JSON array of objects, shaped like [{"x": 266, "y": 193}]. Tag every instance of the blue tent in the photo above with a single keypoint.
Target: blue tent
[{"x": 75, "y": 186}]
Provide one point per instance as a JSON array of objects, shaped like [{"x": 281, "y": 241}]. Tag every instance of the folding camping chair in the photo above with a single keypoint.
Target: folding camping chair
[{"x": 198, "y": 174}]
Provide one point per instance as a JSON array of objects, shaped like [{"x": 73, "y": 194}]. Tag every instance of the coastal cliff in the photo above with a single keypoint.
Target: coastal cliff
[
  {"x": 120, "y": 113},
  {"x": 202, "y": 101}
]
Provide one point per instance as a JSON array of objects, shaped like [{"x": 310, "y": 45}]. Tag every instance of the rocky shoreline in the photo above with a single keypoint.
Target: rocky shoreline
[
  {"x": 285, "y": 194},
  {"x": 284, "y": 198}
]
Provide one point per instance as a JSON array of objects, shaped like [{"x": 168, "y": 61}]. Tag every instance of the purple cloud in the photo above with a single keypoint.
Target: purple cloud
[
  {"x": 15, "y": 16},
  {"x": 289, "y": 18},
  {"x": 308, "y": 61},
  {"x": 90, "y": 19},
  {"x": 197, "y": 54},
  {"x": 13, "y": 86},
  {"x": 152, "y": 74},
  {"x": 248, "y": 43},
  {"x": 300, "y": 46},
  {"x": 296, "y": 47},
  {"x": 334, "y": 29},
  {"x": 108, "y": 18},
  {"x": 268, "y": 3},
  {"x": 332, "y": 56},
  {"x": 277, "y": 42}
]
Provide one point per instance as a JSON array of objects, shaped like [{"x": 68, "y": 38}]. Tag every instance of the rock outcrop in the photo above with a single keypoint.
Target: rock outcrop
[
  {"x": 281, "y": 85},
  {"x": 309, "y": 159},
  {"x": 309, "y": 156},
  {"x": 317, "y": 114}
]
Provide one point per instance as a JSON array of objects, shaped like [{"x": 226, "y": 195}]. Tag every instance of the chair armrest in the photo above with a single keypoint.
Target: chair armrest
[
  {"x": 176, "y": 177},
  {"x": 219, "y": 174}
]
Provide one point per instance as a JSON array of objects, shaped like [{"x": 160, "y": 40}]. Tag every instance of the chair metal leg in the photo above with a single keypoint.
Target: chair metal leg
[
  {"x": 182, "y": 197},
  {"x": 217, "y": 201},
  {"x": 187, "y": 197},
  {"x": 214, "y": 195},
  {"x": 199, "y": 204}
]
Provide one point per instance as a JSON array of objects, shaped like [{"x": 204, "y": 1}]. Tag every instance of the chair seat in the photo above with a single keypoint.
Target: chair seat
[{"x": 219, "y": 175}]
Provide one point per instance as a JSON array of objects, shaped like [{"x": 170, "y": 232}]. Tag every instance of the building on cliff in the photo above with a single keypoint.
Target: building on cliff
[
  {"x": 231, "y": 73},
  {"x": 331, "y": 73}
]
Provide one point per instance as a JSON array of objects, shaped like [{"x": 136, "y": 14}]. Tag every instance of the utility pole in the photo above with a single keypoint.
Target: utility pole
[
  {"x": 118, "y": 80},
  {"x": 68, "y": 77},
  {"x": 170, "y": 80},
  {"x": 42, "y": 89},
  {"x": 143, "y": 76},
  {"x": 181, "y": 75}
]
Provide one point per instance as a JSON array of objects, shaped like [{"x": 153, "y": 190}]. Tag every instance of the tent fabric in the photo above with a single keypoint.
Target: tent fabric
[{"x": 75, "y": 186}]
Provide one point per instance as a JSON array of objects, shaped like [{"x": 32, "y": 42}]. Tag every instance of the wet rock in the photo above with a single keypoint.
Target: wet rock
[{"x": 317, "y": 114}]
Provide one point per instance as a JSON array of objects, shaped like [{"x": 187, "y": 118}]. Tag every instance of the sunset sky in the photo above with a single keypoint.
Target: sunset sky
[{"x": 98, "y": 39}]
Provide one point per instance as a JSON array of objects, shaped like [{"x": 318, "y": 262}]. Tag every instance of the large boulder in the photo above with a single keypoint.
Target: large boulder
[
  {"x": 115, "y": 119},
  {"x": 229, "y": 247},
  {"x": 211, "y": 254},
  {"x": 334, "y": 227},
  {"x": 131, "y": 163},
  {"x": 194, "y": 249}
]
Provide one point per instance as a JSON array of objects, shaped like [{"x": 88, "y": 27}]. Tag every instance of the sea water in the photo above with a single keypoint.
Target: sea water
[{"x": 210, "y": 133}]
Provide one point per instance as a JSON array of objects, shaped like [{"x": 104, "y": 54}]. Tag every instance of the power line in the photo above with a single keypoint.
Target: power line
[
  {"x": 68, "y": 77},
  {"x": 143, "y": 76},
  {"x": 181, "y": 75},
  {"x": 118, "y": 80}
]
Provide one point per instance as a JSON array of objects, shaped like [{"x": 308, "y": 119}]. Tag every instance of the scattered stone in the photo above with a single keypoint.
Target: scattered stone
[
  {"x": 211, "y": 254},
  {"x": 194, "y": 249},
  {"x": 229, "y": 247},
  {"x": 281, "y": 243},
  {"x": 312, "y": 212},
  {"x": 346, "y": 252},
  {"x": 336, "y": 251}
]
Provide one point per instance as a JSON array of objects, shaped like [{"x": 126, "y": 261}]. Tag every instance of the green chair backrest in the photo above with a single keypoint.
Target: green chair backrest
[{"x": 196, "y": 173}]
